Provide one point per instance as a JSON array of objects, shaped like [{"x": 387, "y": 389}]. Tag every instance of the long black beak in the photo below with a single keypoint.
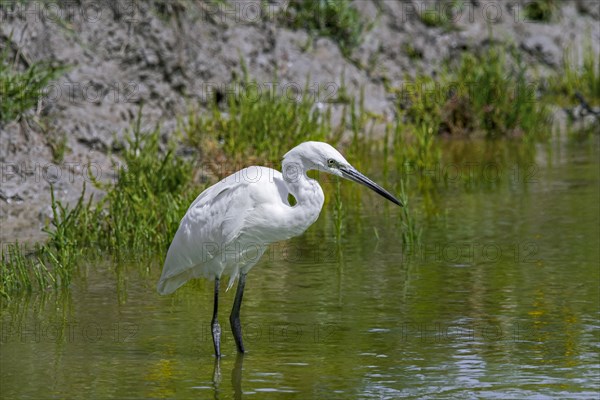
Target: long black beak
[{"x": 353, "y": 175}]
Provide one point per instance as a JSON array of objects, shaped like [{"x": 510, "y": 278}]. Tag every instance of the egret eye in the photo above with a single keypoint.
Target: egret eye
[{"x": 331, "y": 162}]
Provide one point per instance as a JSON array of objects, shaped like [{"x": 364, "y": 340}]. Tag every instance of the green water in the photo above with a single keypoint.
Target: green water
[{"x": 500, "y": 300}]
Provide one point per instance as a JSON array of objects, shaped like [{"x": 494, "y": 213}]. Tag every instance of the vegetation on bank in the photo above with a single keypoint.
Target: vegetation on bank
[
  {"x": 579, "y": 79},
  {"x": 441, "y": 14},
  {"x": 243, "y": 135},
  {"x": 137, "y": 218},
  {"x": 142, "y": 207},
  {"x": 541, "y": 10},
  {"x": 488, "y": 96},
  {"x": 22, "y": 89},
  {"x": 336, "y": 19}
]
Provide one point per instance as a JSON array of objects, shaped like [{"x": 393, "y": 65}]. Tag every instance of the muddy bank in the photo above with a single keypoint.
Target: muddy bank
[{"x": 169, "y": 56}]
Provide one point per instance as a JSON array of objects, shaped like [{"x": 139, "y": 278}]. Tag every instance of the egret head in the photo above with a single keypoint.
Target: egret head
[{"x": 323, "y": 157}]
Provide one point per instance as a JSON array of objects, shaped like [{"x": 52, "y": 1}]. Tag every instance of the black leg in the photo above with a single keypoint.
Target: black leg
[
  {"x": 216, "y": 328},
  {"x": 234, "y": 318}
]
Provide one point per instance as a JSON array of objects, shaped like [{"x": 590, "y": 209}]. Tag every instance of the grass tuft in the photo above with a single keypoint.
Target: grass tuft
[
  {"x": 336, "y": 19},
  {"x": 484, "y": 94},
  {"x": 540, "y": 10},
  {"x": 256, "y": 129},
  {"x": 580, "y": 74},
  {"x": 338, "y": 211},
  {"x": 142, "y": 209},
  {"x": 21, "y": 90},
  {"x": 440, "y": 14},
  {"x": 411, "y": 233}
]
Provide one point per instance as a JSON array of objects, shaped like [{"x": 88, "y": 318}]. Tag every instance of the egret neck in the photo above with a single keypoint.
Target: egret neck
[{"x": 307, "y": 192}]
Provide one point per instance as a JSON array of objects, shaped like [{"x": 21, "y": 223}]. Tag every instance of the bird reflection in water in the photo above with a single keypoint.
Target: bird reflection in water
[{"x": 236, "y": 377}]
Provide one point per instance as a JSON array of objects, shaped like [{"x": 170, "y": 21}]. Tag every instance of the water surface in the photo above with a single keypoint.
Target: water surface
[{"x": 499, "y": 300}]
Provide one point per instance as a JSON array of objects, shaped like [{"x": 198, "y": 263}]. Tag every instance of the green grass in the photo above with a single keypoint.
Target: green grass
[
  {"x": 21, "y": 90},
  {"x": 338, "y": 211},
  {"x": 411, "y": 51},
  {"x": 501, "y": 97},
  {"x": 540, "y": 10},
  {"x": 22, "y": 271},
  {"x": 257, "y": 128},
  {"x": 58, "y": 146},
  {"x": 416, "y": 150},
  {"x": 410, "y": 231},
  {"x": 486, "y": 98},
  {"x": 336, "y": 19},
  {"x": 48, "y": 265},
  {"x": 142, "y": 210},
  {"x": 439, "y": 14},
  {"x": 580, "y": 74},
  {"x": 484, "y": 94}
]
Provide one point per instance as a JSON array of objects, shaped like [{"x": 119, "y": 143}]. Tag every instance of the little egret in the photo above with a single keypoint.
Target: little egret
[{"x": 238, "y": 217}]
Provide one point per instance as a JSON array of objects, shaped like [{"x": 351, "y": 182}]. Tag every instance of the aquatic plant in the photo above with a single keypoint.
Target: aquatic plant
[{"x": 411, "y": 233}]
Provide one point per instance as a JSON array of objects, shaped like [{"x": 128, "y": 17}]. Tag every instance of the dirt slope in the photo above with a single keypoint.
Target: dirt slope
[{"x": 168, "y": 55}]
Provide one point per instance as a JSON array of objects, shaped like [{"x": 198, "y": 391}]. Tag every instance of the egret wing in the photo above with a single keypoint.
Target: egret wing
[{"x": 213, "y": 221}]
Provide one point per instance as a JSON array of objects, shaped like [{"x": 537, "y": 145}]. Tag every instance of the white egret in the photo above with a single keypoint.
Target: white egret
[{"x": 233, "y": 220}]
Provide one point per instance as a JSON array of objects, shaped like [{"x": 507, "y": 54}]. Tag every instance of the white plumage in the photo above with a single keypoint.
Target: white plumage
[
  {"x": 227, "y": 228},
  {"x": 229, "y": 225}
]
